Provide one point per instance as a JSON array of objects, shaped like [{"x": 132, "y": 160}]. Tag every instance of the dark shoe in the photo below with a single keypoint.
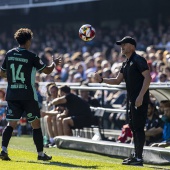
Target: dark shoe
[
  {"x": 44, "y": 158},
  {"x": 134, "y": 162},
  {"x": 4, "y": 156},
  {"x": 132, "y": 155}
]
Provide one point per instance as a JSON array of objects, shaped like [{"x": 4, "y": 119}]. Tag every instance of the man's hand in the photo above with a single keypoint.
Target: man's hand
[
  {"x": 139, "y": 101},
  {"x": 50, "y": 104},
  {"x": 97, "y": 77},
  {"x": 57, "y": 60}
]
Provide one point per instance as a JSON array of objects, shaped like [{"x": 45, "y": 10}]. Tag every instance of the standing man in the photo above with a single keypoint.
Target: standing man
[
  {"x": 20, "y": 66},
  {"x": 137, "y": 77}
]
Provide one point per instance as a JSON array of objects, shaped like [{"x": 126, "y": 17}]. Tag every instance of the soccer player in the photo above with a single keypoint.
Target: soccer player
[
  {"x": 20, "y": 66},
  {"x": 136, "y": 74}
]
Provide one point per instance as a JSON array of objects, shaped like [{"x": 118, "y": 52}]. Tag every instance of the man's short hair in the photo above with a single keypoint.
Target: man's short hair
[
  {"x": 167, "y": 104},
  {"x": 53, "y": 85},
  {"x": 23, "y": 35},
  {"x": 65, "y": 89},
  {"x": 164, "y": 101}
]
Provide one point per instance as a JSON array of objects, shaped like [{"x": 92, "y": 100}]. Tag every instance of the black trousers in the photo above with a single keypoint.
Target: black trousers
[{"x": 137, "y": 120}]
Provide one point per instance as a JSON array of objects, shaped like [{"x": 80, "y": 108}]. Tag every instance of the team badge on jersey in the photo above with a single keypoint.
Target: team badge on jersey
[{"x": 41, "y": 62}]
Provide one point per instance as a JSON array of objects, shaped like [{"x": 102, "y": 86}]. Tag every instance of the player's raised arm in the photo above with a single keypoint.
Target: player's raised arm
[
  {"x": 49, "y": 69},
  {"x": 111, "y": 81}
]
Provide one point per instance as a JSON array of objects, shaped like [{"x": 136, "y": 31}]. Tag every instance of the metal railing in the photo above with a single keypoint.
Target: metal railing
[{"x": 20, "y": 4}]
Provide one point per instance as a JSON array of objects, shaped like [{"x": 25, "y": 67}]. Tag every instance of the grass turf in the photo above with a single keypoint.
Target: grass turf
[{"x": 23, "y": 157}]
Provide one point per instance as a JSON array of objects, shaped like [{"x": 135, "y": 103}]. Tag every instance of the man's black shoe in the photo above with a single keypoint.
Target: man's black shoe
[
  {"x": 4, "y": 156},
  {"x": 44, "y": 158},
  {"x": 134, "y": 162},
  {"x": 132, "y": 155}
]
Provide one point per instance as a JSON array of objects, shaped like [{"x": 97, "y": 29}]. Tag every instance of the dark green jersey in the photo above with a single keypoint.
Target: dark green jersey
[{"x": 21, "y": 66}]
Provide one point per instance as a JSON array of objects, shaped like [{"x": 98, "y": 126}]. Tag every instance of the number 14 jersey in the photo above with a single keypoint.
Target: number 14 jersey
[{"x": 20, "y": 66}]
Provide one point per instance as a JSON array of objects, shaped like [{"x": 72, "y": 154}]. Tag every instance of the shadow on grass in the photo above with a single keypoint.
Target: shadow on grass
[{"x": 59, "y": 164}]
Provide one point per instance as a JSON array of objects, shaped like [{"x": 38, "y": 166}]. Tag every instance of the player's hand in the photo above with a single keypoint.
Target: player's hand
[
  {"x": 50, "y": 104},
  {"x": 139, "y": 101},
  {"x": 58, "y": 116},
  {"x": 97, "y": 77},
  {"x": 57, "y": 60}
]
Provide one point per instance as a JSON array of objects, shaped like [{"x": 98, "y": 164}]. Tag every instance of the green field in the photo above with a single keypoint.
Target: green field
[{"x": 22, "y": 152}]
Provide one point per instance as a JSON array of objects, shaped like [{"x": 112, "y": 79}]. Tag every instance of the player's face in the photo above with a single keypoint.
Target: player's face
[
  {"x": 54, "y": 92},
  {"x": 126, "y": 48},
  {"x": 167, "y": 111},
  {"x": 61, "y": 93}
]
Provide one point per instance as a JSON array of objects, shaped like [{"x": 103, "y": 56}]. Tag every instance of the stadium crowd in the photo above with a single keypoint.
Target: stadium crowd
[{"x": 82, "y": 59}]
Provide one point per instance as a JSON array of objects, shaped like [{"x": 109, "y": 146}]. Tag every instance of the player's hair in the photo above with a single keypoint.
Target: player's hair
[
  {"x": 164, "y": 101},
  {"x": 53, "y": 86},
  {"x": 23, "y": 35},
  {"x": 167, "y": 104},
  {"x": 65, "y": 89}
]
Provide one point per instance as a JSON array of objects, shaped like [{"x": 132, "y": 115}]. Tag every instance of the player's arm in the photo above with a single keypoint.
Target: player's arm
[
  {"x": 146, "y": 83},
  {"x": 57, "y": 101},
  {"x": 153, "y": 131},
  {"x": 3, "y": 73},
  {"x": 112, "y": 81},
  {"x": 145, "y": 87},
  {"x": 49, "y": 69}
]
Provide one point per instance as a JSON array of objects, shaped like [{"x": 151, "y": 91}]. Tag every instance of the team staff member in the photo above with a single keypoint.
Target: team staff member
[
  {"x": 20, "y": 66},
  {"x": 137, "y": 77},
  {"x": 78, "y": 113}
]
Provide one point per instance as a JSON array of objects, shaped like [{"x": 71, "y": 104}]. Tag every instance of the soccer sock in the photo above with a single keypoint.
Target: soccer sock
[
  {"x": 40, "y": 154},
  {"x": 38, "y": 139},
  {"x": 6, "y": 136},
  {"x": 51, "y": 140}
]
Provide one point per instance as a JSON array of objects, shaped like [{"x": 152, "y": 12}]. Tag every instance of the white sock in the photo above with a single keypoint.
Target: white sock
[
  {"x": 51, "y": 140},
  {"x": 4, "y": 149},
  {"x": 41, "y": 153},
  {"x": 138, "y": 159}
]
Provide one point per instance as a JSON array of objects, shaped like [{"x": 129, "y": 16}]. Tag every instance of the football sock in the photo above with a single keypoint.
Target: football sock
[
  {"x": 51, "y": 140},
  {"x": 138, "y": 159},
  {"x": 38, "y": 139},
  {"x": 4, "y": 149},
  {"x": 40, "y": 153},
  {"x": 6, "y": 136}
]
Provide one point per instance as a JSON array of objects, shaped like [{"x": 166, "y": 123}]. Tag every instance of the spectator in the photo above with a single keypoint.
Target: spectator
[
  {"x": 166, "y": 129},
  {"x": 154, "y": 126},
  {"x": 50, "y": 117}
]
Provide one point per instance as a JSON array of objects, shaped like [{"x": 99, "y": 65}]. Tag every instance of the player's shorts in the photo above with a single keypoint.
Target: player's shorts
[
  {"x": 16, "y": 109},
  {"x": 81, "y": 121}
]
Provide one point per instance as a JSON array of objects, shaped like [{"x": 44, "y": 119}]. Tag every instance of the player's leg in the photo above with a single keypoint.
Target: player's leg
[
  {"x": 54, "y": 122},
  {"x": 14, "y": 111},
  {"x": 67, "y": 124},
  {"x": 33, "y": 116},
  {"x": 59, "y": 126},
  {"x": 138, "y": 121},
  {"x": 50, "y": 128}
]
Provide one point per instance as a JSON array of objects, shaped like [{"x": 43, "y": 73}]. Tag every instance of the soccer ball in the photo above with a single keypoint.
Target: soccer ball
[{"x": 87, "y": 32}]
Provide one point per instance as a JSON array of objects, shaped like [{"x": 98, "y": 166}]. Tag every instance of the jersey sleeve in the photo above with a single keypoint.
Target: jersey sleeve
[
  {"x": 141, "y": 64},
  {"x": 3, "y": 67},
  {"x": 121, "y": 68},
  {"x": 38, "y": 64}
]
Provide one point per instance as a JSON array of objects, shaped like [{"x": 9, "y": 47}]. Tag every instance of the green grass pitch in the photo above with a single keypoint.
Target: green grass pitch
[{"x": 24, "y": 157}]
